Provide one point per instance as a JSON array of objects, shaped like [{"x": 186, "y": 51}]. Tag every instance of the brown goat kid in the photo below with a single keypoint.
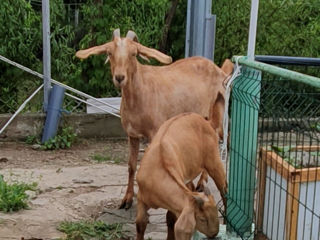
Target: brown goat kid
[
  {"x": 153, "y": 94},
  {"x": 184, "y": 147}
]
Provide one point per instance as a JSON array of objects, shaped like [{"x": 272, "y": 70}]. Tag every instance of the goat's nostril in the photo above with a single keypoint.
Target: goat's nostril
[{"x": 119, "y": 78}]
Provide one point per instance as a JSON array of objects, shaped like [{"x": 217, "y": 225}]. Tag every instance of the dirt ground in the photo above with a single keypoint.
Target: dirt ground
[{"x": 72, "y": 185}]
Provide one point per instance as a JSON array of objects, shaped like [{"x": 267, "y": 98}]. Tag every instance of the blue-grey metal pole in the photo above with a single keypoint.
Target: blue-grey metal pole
[
  {"x": 53, "y": 113},
  {"x": 46, "y": 52},
  {"x": 200, "y": 29},
  {"x": 187, "y": 46}
]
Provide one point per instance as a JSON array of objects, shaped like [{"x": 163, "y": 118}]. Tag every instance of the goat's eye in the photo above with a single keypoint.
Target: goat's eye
[
  {"x": 109, "y": 54},
  {"x": 133, "y": 54}
]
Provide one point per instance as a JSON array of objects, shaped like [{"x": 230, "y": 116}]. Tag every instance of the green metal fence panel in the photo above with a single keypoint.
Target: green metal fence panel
[
  {"x": 242, "y": 180},
  {"x": 274, "y": 165}
]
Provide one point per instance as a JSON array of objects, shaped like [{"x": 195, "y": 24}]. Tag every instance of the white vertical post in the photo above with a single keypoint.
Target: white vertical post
[
  {"x": 253, "y": 28},
  {"x": 46, "y": 52}
]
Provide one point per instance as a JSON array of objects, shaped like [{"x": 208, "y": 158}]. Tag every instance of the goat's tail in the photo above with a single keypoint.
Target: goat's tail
[{"x": 228, "y": 68}]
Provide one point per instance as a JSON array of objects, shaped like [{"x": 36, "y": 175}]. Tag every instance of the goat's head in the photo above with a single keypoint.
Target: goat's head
[
  {"x": 201, "y": 215},
  {"x": 206, "y": 214},
  {"x": 122, "y": 52}
]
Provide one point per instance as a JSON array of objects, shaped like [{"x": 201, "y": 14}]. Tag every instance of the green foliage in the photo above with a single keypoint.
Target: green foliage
[
  {"x": 32, "y": 140},
  {"x": 62, "y": 140},
  {"x": 65, "y": 137},
  {"x": 20, "y": 41},
  {"x": 316, "y": 126},
  {"x": 285, "y": 27},
  {"x": 85, "y": 230},
  {"x": 13, "y": 196},
  {"x": 62, "y": 49},
  {"x": 284, "y": 153},
  {"x": 177, "y": 32}
]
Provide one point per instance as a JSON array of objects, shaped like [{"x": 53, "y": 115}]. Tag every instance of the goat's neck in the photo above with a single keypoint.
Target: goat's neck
[
  {"x": 182, "y": 200},
  {"x": 134, "y": 90}
]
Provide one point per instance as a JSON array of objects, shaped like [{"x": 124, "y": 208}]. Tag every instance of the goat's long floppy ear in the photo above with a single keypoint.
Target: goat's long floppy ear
[
  {"x": 185, "y": 224},
  {"x": 83, "y": 54},
  {"x": 153, "y": 53}
]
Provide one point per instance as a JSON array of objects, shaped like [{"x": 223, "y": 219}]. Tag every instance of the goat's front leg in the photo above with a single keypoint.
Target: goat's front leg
[
  {"x": 141, "y": 219},
  {"x": 132, "y": 166},
  {"x": 185, "y": 224}
]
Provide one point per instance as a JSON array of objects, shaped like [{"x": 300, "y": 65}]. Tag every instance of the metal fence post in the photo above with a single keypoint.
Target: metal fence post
[
  {"x": 244, "y": 142},
  {"x": 200, "y": 29},
  {"x": 46, "y": 52}
]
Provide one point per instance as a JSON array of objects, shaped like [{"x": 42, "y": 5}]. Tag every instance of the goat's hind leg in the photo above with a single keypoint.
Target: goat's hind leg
[
  {"x": 217, "y": 172},
  {"x": 171, "y": 220},
  {"x": 132, "y": 166}
]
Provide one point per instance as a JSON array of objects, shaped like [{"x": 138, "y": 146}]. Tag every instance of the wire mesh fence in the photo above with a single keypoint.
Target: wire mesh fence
[
  {"x": 274, "y": 168},
  {"x": 14, "y": 94}
]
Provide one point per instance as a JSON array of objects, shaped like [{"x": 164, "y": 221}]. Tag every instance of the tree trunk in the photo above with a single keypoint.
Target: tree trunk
[{"x": 169, "y": 17}]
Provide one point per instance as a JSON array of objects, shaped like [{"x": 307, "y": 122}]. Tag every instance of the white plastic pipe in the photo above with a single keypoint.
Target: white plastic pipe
[{"x": 253, "y": 29}]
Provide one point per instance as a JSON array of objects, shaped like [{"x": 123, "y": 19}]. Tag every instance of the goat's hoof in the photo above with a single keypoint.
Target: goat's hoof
[{"x": 125, "y": 204}]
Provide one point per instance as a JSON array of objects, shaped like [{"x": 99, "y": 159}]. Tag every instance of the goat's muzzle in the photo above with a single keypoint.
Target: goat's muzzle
[{"x": 119, "y": 78}]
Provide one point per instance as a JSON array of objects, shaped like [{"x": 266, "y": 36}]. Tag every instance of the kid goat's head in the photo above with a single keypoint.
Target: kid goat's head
[{"x": 122, "y": 53}]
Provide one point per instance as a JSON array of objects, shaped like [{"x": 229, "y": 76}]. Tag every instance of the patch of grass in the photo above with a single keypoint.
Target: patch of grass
[
  {"x": 85, "y": 230},
  {"x": 106, "y": 158},
  {"x": 101, "y": 158},
  {"x": 13, "y": 196}
]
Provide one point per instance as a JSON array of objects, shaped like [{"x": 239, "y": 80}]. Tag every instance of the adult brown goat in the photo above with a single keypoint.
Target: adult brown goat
[{"x": 153, "y": 94}]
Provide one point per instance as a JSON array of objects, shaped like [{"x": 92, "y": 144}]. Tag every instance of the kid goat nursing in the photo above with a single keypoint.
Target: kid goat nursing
[{"x": 153, "y": 94}]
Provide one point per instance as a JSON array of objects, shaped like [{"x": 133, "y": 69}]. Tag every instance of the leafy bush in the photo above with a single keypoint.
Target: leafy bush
[
  {"x": 284, "y": 28},
  {"x": 287, "y": 28},
  {"x": 20, "y": 41},
  {"x": 13, "y": 196},
  {"x": 63, "y": 139},
  {"x": 84, "y": 230}
]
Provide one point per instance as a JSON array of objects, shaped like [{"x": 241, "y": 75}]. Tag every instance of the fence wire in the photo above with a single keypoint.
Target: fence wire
[{"x": 275, "y": 186}]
